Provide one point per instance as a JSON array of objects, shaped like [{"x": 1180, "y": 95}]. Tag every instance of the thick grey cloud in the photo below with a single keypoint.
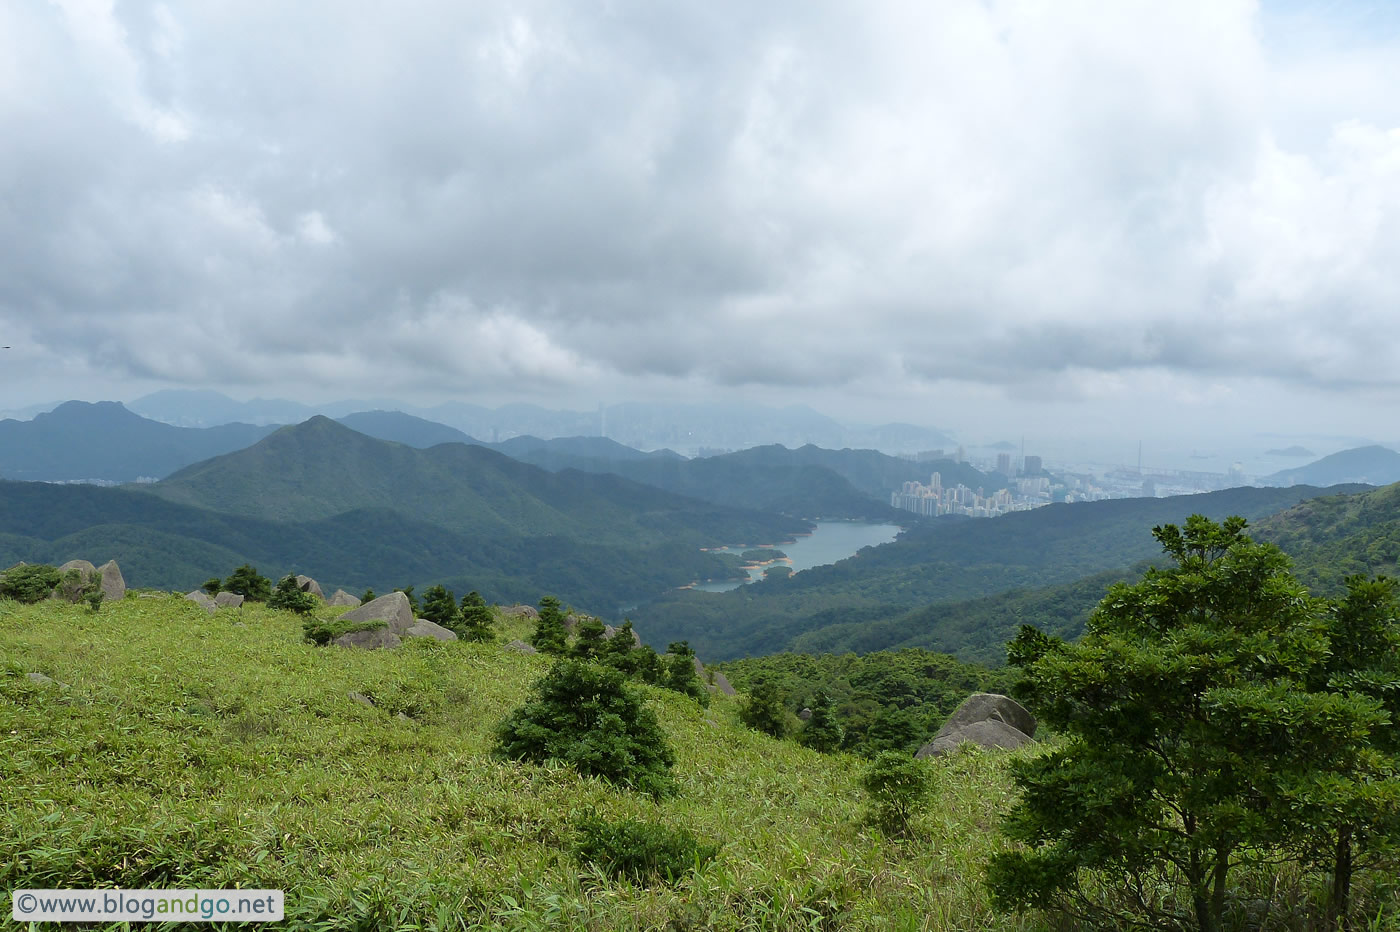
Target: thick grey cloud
[{"x": 1002, "y": 200}]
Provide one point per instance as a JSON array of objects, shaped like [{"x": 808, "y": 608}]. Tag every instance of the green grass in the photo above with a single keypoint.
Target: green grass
[{"x": 191, "y": 750}]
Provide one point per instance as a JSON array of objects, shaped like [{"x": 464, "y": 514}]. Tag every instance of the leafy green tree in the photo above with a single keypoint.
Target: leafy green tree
[
  {"x": 212, "y": 585},
  {"x": 765, "y": 710},
  {"x": 369, "y": 596},
  {"x": 474, "y": 622},
  {"x": 1187, "y": 725},
  {"x": 680, "y": 673},
  {"x": 412, "y": 599},
  {"x": 1357, "y": 812},
  {"x": 822, "y": 731},
  {"x": 29, "y": 583},
  {"x": 550, "y": 635},
  {"x": 246, "y": 581},
  {"x": 440, "y": 606},
  {"x": 585, "y": 715},
  {"x": 899, "y": 787},
  {"x": 289, "y": 597},
  {"x": 590, "y": 642}
]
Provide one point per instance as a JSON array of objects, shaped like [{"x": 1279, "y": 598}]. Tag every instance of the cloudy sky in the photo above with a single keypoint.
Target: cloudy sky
[{"x": 995, "y": 217}]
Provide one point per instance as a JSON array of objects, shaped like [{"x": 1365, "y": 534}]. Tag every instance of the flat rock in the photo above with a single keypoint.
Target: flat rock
[
  {"x": 228, "y": 600},
  {"x": 342, "y": 597},
  {"x": 521, "y": 646},
  {"x": 113, "y": 585},
  {"x": 990, "y": 733},
  {"x": 521, "y": 611},
  {"x": 721, "y": 684},
  {"x": 43, "y": 680},
  {"x": 361, "y": 698},
  {"x": 423, "y": 628},
  {"x": 981, "y": 707},
  {"x": 307, "y": 584}
]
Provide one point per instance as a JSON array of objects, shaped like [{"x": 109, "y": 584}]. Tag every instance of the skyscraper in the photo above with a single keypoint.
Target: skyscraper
[
  {"x": 1032, "y": 466},
  {"x": 1004, "y": 463}
]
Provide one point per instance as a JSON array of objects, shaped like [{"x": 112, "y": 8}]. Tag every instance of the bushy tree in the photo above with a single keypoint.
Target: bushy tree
[
  {"x": 550, "y": 636},
  {"x": 246, "y": 581},
  {"x": 474, "y": 619},
  {"x": 289, "y": 597},
  {"x": 640, "y": 851},
  {"x": 822, "y": 731},
  {"x": 899, "y": 787},
  {"x": 680, "y": 673},
  {"x": 368, "y": 596},
  {"x": 213, "y": 585},
  {"x": 765, "y": 710},
  {"x": 440, "y": 606},
  {"x": 585, "y": 715},
  {"x": 29, "y": 583},
  {"x": 1191, "y": 738},
  {"x": 590, "y": 641}
]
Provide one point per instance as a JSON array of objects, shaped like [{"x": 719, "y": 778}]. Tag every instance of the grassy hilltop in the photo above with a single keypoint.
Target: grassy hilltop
[{"x": 181, "y": 749}]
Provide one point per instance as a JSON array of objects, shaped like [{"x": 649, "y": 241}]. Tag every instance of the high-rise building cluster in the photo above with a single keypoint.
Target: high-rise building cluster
[{"x": 933, "y": 499}]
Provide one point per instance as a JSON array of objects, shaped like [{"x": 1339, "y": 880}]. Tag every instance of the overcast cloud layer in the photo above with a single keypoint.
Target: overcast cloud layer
[{"x": 939, "y": 212}]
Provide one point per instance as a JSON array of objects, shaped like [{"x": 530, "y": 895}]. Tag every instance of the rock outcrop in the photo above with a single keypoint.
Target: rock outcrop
[
  {"x": 521, "y": 611},
  {"x": 521, "y": 646},
  {"x": 228, "y": 600},
  {"x": 113, "y": 585},
  {"x": 201, "y": 598},
  {"x": 720, "y": 682},
  {"x": 307, "y": 584},
  {"x": 987, "y": 720},
  {"x": 342, "y": 597},
  {"x": 396, "y": 614}
]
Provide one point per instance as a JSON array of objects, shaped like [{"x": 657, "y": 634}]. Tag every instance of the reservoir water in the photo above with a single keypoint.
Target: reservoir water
[{"x": 829, "y": 542}]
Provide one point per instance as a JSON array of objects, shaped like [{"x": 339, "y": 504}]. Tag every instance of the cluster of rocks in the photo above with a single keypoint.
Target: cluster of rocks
[
  {"x": 110, "y": 578},
  {"x": 987, "y": 720},
  {"x": 396, "y": 616}
]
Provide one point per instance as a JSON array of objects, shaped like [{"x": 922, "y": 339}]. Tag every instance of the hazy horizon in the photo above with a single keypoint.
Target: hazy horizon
[{"x": 1174, "y": 224}]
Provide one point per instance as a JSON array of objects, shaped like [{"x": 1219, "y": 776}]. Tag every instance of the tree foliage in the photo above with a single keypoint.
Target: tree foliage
[
  {"x": 440, "y": 606},
  {"x": 289, "y": 597},
  {"x": 474, "y": 618},
  {"x": 247, "y": 582},
  {"x": 585, "y": 715},
  {"x": 550, "y": 636},
  {"x": 1195, "y": 739},
  {"x": 765, "y": 710},
  {"x": 822, "y": 731},
  {"x": 28, "y": 583},
  {"x": 899, "y": 787}
]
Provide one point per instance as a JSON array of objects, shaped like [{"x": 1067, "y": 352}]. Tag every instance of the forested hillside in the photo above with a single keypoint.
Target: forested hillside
[{"x": 939, "y": 562}]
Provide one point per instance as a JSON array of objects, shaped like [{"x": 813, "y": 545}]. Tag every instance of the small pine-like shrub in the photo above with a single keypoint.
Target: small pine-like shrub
[
  {"x": 369, "y": 596},
  {"x": 765, "y": 711},
  {"x": 440, "y": 606},
  {"x": 680, "y": 673},
  {"x": 585, "y": 715},
  {"x": 289, "y": 597},
  {"x": 246, "y": 581},
  {"x": 590, "y": 642},
  {"x": 474, "y": 619},
  {"x": 822, "y": 731},
  {"x": 212, "y": 585},
  {"x": 29, "y": 583},
  {"x": 899, "y": 788},
  {"x": 550, "y": 635},
  {"x": 641, "y": 851}
]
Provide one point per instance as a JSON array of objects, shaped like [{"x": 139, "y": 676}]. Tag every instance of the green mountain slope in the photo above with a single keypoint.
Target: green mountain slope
[
  {"x": 169, "y": 545},
  {"x": 320, "y": 468},
  {"x": 938, "y": 562},
  {"x": 82, "y": 441}
]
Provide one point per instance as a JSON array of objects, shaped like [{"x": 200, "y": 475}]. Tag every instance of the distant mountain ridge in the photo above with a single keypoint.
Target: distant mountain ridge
[
  {"x": 82, "y": 441},
  {"x": 1372, "y": 465}
]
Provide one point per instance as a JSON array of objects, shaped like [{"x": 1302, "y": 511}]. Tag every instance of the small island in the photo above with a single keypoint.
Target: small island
[{"x": 762, "y": 555}]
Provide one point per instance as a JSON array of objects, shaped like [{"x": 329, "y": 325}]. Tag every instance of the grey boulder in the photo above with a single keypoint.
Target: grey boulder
[
  {"x": 721, "y": 684},
  {"x": 396, "y": 614},
  {"x": 991, "y": 733},
  {"x": 201, "y": 598},
  {"x": 423, "y": 628},
  {"x": 228, "y": 600},
  {"x": 521, "y": 646},
  {"x": 113, "y": 585},
  {"x": 342, "y": 597},
  {"x": 307, "y": 584}
]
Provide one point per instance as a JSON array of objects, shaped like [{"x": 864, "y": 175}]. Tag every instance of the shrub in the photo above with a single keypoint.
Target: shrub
[
  {"x": 289, "y": 597},
  {"x": 550, "y": 635},
  {"x": 212, "y": 585},
  {"x": 641, "y": 851},
  {"x": 246, "y": 582},
  {"x": 320, "y": 632},
  {"x": 585, "y": 715},
  {"x": 368, "y": 596},
  {"x": 822, "y": 731},
  {"x": 590, "y": 642},
  {"x": 440, "y": 606},
  {"x": 29, "y": 583},
  {"x": 899, "y": 788},
  {"x": 765, "y": 711},
  {"x": 474, "y": 619},
  {"x": 680, "y": 673}
]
